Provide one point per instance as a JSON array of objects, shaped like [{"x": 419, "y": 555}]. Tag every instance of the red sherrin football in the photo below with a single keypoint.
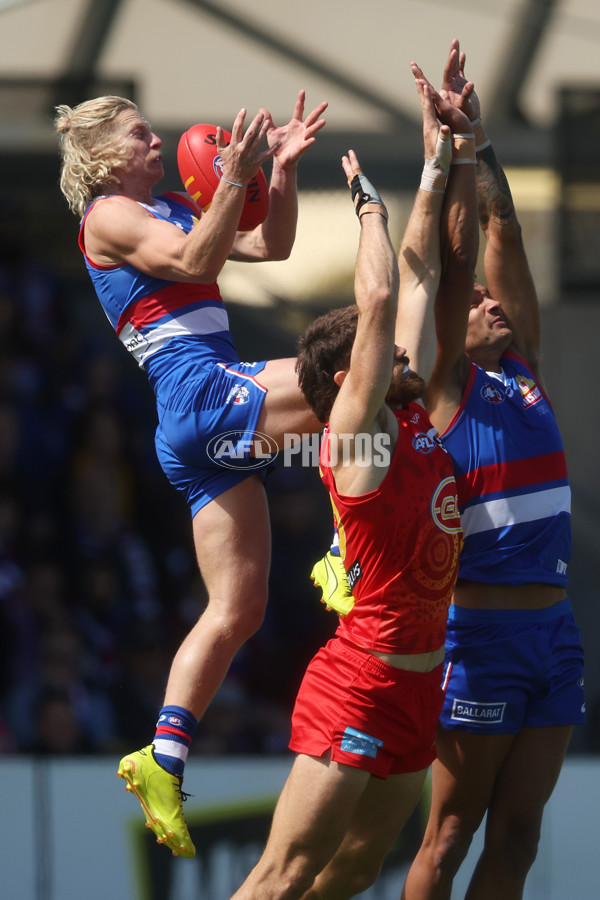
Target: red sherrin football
[{"x": 201, "y": 168}]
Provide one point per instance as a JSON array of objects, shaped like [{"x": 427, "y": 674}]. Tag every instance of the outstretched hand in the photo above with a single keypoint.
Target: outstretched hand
[
  {"x": 242, "y": 155},
  {"x": 292, "y": 140},
  {"x": 433, "y": 133},
  {"x": 364, "y": 194},
  {"x": 446, "y": 112},
  {"x": 460, "y": 92}
]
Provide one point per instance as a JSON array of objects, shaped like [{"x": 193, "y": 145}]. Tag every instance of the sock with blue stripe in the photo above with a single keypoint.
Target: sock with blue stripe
[{"x": 175, "y": 730}]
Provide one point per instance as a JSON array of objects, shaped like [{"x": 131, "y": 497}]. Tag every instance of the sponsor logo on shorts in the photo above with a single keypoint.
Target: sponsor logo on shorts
[
  {"x": 473, "y": 711},
  {"x": 361, "y": 744},
  {"x": 561, "y": 567},
  {"x": 491, "y": 393},
  {"x": 233, "y": 448}
]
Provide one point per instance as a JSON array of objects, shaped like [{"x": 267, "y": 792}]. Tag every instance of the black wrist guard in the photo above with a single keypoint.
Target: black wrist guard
[{"x": 363, "y": 192}]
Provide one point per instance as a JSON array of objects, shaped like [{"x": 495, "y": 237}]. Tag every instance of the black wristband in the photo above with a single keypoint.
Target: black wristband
[{"x": 363, "y": 192}]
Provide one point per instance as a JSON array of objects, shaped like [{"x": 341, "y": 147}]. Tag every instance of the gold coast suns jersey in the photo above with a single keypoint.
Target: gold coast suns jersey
[{"x": 400, "y": 543}]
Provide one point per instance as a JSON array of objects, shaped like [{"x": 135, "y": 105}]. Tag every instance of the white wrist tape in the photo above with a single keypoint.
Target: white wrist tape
[
  {"x": 436, "y": 168},
  {"x": 481, "y": 139},
  {"x": 463, "y": 150}
]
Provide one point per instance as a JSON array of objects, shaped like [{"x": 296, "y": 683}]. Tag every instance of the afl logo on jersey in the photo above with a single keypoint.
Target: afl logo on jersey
[
  {"x": 491, "y": 393},
  {"x": 424, "y": 443},
  {"x": 444, "y": 507}
]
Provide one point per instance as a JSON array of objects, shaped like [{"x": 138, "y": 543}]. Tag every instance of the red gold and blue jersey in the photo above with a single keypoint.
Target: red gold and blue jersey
[
  {"x": 511, "y": 474},
  {"x": 156, "y": 319},
  {"x": 400, "y": 543}
]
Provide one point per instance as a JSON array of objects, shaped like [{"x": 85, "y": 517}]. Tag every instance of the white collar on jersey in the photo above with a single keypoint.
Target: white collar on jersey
[
  {"x": 159, "y": 206},
  {"x": 501, "y": 376}
]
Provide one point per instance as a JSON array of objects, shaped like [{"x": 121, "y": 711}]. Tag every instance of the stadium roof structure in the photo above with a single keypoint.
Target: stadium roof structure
[{"x": 188, "y": 61}]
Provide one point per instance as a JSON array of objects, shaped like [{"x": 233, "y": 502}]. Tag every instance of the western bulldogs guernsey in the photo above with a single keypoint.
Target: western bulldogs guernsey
[
  {"x": 156, "y": 319},
  {"x": 400, "y": 543},
  {"x": 511, "y": 474}
]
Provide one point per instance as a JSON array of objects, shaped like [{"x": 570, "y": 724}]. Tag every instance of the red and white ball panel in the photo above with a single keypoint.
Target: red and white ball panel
[{"x": 201, "y": 167}]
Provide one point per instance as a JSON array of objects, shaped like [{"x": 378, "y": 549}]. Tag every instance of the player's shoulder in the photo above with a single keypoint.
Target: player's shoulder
[
  {"x": 116, "y": 214},
  {"x": 110, "y": 205}
]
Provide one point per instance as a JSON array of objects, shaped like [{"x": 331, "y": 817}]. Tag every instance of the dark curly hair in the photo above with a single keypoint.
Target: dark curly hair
[{"x": 324, "y": 349}]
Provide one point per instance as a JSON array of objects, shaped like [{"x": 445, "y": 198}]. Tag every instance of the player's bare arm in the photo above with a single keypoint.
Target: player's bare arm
[
  {"x": 458, "y": 252},
  {"x": 507, "y": 272},
  {"x": 506, "y": 268},
  {"x": 360, "y": 407},
  {"x": 419, "y": 257},
  {"x": 119, "y": 230}
]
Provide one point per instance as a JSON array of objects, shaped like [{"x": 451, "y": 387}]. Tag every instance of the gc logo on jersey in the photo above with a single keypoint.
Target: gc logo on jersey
[{"x": 444, "y": 507}]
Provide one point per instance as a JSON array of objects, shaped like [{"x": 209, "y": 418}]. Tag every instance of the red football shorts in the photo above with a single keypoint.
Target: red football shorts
[{"x": 368, "y": 713}]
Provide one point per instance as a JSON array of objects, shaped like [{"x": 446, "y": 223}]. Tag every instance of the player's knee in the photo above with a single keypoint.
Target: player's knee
[
  {"x": 291, "y": 881},
  {"x": 248, "y": 615},
  {"x": 518, "y": 848},
  {"x": 450, "y": 847},
  {"x": 237, "y": 616},
  {"x": 362, "y": 878}
]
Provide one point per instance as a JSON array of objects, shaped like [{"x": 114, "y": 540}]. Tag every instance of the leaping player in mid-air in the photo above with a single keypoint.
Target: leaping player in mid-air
[{"x": 154, "y": 262}]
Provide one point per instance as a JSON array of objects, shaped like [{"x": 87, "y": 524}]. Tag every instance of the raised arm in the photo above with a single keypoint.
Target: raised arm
[
  {"x": 459, "y": 247},
  {"x": 419, "y": 256},
  {"x": 507, "y": 272},
  {"x": 274, "y": 239},
  {"x": 118, "y": 230},
  {"x": 360, "y": 404}
]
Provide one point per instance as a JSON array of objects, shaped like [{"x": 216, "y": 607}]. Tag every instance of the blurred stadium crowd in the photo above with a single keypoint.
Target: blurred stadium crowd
[{"x": 98, "y": 580}]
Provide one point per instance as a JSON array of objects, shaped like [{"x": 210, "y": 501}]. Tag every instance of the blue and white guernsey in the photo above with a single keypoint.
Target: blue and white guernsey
[
  {"x": 511, "y": 475},
  {"x": 159, "y": 320}
]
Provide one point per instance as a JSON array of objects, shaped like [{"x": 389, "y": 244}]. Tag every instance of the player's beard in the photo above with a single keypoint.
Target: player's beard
[{"x": 405, "y": 387}]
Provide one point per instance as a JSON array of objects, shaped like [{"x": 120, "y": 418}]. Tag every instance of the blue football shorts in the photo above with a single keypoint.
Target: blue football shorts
[
  {"x": 205, "y": 433},
  {"x": 506, "y": 670}
]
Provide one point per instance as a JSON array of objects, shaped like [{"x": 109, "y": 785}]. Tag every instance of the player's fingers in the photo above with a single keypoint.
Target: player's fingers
[
  {"x": 351, "y": 166},
  {"x": 316, "y": 113},
  {"x": 237, "y": 129},
  {"x": 416, "y": 70},
  {"x": 255, "y": 132},
  {"x": 299, "y": 107}
]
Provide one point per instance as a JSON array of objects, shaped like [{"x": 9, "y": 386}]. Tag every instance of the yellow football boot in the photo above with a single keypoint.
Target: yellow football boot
[
  {"x": 160, "y": 795},
  {"x": 329, "y": 574}
]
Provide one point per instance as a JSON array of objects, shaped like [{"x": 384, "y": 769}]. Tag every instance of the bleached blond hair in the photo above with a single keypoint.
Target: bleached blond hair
[{"x": 88, "y": 150}]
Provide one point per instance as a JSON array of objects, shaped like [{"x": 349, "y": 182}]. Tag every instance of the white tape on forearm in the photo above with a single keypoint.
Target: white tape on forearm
[{"x": 433, "y": 178}]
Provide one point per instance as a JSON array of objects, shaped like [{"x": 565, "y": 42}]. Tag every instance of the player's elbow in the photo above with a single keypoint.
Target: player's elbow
[{"x": 203, "y": 271}]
